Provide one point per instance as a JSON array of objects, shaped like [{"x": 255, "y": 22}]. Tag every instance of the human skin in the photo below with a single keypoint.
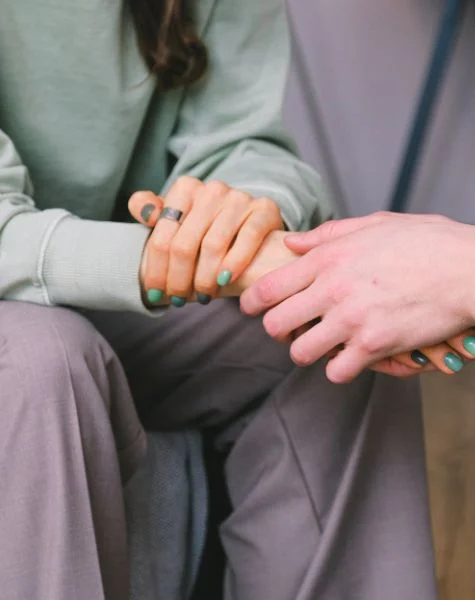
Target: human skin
[
  {"x": 275, "y": 254},
  {"x": 220, "y": 232},
  {"x": 384, "y": 285}
]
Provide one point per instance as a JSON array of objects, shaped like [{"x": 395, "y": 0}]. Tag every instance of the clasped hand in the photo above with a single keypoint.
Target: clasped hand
[
  {"x": 219, "y": 235},
  {"x": 228, "y": 242}
]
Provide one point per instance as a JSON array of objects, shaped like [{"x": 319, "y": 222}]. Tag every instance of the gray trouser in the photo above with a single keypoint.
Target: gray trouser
[{"x": 327, "y": 482}]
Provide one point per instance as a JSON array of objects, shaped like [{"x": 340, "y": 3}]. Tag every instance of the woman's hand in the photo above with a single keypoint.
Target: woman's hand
[
  {"x": 448, "y": 357},
  {"x": 219, "y": 235}
]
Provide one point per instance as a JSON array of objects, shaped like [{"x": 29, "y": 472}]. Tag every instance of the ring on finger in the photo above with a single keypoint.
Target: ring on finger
[{"x": 171, "y": 214}]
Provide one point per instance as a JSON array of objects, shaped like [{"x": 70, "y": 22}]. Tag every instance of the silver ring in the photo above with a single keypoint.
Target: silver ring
[{"x": 172, "y": 214}]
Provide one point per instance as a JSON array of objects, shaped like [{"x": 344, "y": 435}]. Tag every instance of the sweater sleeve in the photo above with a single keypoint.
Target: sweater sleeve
[
  {"x": 230, "y": 125},
  {"x": 51, "y": 257}
]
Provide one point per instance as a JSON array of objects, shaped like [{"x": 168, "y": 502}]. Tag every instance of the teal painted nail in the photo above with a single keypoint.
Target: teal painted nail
[
  {"x": 203, "y": 299},
  {"x": 419, "y": 358},
  {"x": 147, "y": 211},
  {"x": 178, "y": 301},
  {"x": 469, "y": 344},
  {"x": 154, "y": 296},
  {"x": 453, "y": 362},
  {"x": 224, "y": 278}
]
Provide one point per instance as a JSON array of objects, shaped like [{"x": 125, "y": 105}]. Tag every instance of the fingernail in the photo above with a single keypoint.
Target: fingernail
[
  {"x": 469, "y": 344},
  {"x": 147, "y": 211},
  {"x": 419, "y": 358},
  {"x": 203, "y": 299},
  {"x": 154, "y": 296},
  {"x": 454, "y": 363},
  {"x": 224, "y": 278},
  {"x": 178, "y": 301}
]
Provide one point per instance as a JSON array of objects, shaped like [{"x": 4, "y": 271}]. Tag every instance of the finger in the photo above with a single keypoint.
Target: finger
[
  {"x": 442, "y": 356},
  {"x": 303, "y": 329},
  {"x": 278, "y": 285},
  {"x": 331, "y": 230},
  {"x": 464, "y": 344},
  {"x": 215, "y": 246},
  {"x": 186, "y": 245},
  {"x": 145, "y": 207},
  {"x": 264, "y": 218},
  {"x": 390, "y": 366},
  {"x": 415, "y": 359},
  {"x": 347, "y": 365},
  {"x": 293, "y": 313},
  {"x": 180, "y": 197},
  {"x": 317, "y": 342}
]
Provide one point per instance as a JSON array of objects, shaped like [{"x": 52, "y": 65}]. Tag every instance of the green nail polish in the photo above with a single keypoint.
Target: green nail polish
[
  {"x": 154, "y": 296},
  {"x": 178, "y": 301},
  {"x": 147, "y": 211},
  {"x": 419, "y": 358},
  {"x": 203, "y": 299},
  {"x": 469, "y": 344},
  {"x": 224, "y": 278},
  {"x": 454, "y": 363}
]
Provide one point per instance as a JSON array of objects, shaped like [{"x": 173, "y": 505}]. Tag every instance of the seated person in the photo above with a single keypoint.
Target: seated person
[{"x": 98, "y": 100}]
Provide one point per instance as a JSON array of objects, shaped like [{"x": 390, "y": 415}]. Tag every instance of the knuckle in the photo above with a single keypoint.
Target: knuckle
[
  {"x": 159, "y": 245},
  {"x": 267, "y": 205},
  {"x": 241, "y": 199},
  {"x": 187, "y": 185},
  {"x": 183, "y": 249},
  {"x": 327, "y": 231},
  {"x": 337, "y": 292},
  {"x": 370, "y": 342},
  {"x": 216, "y": 188},
  {"x": 266, "y": 291},
  {"x": 272, "y": 212},
  {"x": 253, "y": 232},
  {"x": 353, "y": 318},
  {"x": 213, "y": 245},
  {"x": 329, "y": 228}
]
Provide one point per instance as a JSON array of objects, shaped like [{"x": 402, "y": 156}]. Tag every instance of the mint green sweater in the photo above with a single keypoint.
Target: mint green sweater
[{"x": 82, "y": 127}]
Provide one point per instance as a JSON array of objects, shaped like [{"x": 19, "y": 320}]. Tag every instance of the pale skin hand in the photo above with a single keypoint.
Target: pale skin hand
[
  {"x": 383, "y": 284},
  {"x": 274, "y": 254}
]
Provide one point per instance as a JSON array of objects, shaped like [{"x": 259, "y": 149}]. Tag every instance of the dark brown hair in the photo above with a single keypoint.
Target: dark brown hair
[{"x": 168, "y": 42}]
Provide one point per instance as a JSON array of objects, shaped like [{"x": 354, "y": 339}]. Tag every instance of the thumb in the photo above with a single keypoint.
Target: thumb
[
  {"x": 145, "y": 207},
  {"x": 327, "y": 232}
]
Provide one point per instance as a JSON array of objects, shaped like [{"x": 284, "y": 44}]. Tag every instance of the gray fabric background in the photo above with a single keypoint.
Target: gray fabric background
[{"x": 356, "y": 76}]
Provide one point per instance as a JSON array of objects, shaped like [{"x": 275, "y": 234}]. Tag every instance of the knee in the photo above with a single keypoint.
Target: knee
[{"x": 43, "y": 345}]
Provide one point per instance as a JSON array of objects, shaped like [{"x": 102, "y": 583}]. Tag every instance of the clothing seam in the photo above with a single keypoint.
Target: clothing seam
[
  {"x": 315, "y": 511},
  {"x": 42, "y": 256},
  {"x": 78, "y": 423}
]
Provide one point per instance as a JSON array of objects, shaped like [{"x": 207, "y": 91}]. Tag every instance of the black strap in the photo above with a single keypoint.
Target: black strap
[{"x": 445, "y": 41}]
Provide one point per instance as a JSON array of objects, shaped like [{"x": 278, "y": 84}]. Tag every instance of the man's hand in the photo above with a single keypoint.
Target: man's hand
[{"x": 382, "y": 285}]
